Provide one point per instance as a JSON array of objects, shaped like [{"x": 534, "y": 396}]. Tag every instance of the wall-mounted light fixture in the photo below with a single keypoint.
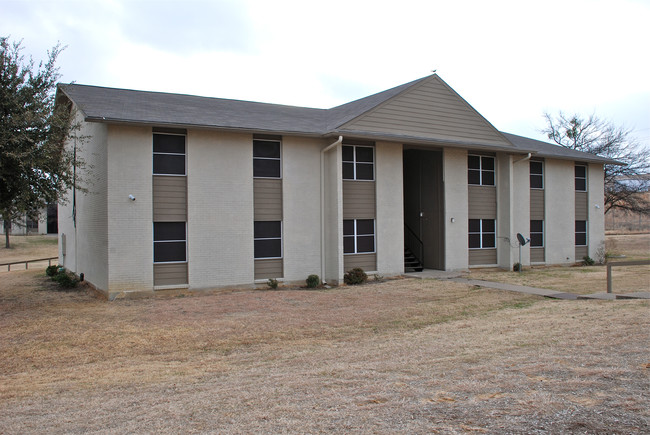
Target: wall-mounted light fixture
[
  {"x": 596, "y": 205},
  {"x": 132, "y": 198},
  {"x": 453, "y": 220}
]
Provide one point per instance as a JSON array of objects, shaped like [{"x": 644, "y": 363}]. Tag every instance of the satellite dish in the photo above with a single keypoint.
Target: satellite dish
[{"x": 521, "y": 239}]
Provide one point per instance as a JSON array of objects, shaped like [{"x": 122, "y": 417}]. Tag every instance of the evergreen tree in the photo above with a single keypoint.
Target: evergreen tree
[{"x": 35, "y": 166}]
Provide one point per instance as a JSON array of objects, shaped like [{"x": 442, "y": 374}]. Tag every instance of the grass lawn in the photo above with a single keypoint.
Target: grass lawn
[
  {"x": 583, "y": 279},
  {"x": 29, "y": 247},
  {"x": 406, "y": 355}
]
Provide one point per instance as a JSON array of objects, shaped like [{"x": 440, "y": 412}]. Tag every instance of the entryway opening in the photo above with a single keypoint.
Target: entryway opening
[{"x": 424, "y": 213}]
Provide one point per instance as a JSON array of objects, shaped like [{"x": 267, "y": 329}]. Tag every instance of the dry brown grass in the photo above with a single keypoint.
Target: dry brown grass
[
  {"x": 399, "y": 356},
  {"x": 584, "y": 280},
  {"x": 27, "y": 248}
]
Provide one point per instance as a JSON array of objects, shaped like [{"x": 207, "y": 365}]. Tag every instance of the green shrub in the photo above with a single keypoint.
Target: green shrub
[
  {"x": 272, "y": 283},
  {"x": 51, "y": 270},
  {"x": 65, "y": 279},
  {"x": 516, "y": 267},
  {"x": 312, "y": 281},
  {"x": 355, "y": 276},
  {"x": 588, "y": 261}
]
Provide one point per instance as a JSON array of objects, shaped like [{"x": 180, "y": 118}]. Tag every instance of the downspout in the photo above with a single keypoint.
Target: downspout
[
  {"x": 523, "y": 158},
  {"x": 322, "y": 205}
]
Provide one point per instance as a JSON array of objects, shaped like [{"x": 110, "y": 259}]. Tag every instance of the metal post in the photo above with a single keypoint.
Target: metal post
[{"x": 609, "y": 278}]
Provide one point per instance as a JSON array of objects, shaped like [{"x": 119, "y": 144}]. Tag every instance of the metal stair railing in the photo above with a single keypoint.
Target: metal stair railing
[
  {"x": 26, "y": 262},
  {"x": 413, "y": 243}
]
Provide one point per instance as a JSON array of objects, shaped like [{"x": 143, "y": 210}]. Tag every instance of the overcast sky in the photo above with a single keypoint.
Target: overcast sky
[{"x": 510, "y": 59}]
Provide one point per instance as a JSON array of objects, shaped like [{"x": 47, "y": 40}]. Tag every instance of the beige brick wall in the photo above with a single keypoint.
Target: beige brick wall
[
  {"x": 455, "y": 179},
  {"x": 390, "y": 209},
  {"x": 220, "y": 209},
  {"x": 130, "y": 227},
  {"x": 595, "y": 195},
  {"x": 301, "y": 199},
  {"x": 560, "y": 211},
  {"x": 505, "y": 210},
  {"x": 519, "y": 213},
  {"x": 88, "y": 252},
  {"x": 333, "y": 216}
]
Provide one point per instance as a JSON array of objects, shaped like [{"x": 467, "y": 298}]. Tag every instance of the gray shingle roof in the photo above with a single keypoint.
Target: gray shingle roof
[
  {"x": 101, "y": 104},
  {"x": 545, "y": 149},
  {"x": 142, "y": 107}
]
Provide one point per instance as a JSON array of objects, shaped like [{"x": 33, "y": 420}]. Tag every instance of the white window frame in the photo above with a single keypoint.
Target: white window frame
[
  {"x": 269, "y": 158},
  {"x": 270, "y": 238},
  {"x": 356, "y": 235},
  {"x": 540, "y": 175},
  {"x": 581, "y": 178},
  {"x": 170, "y": 241},
  {"x": 481, "y": 233},
  {"x": 481, "y": 170},
  {"x": 184, "y": 154},
  {"x": 354, "y": 161},
  {"x": 537, "y": 232},
  {"x": 586, "y": 232}
]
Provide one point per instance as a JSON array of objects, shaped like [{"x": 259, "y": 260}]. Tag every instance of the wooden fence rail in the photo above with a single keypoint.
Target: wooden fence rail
[
  {"x": 26, "y": 262},
  {"x": 621, "y": 263}
]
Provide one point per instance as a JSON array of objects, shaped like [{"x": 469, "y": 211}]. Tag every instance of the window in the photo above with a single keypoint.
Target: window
[
  {"x": 536, "y": 175},
  {"x": 581, "y": 233},
  {"x": 480, "y": 170},
  {"x": 536, "y": 234},
  {"x": 358, "y": 162},
  {"x": 358, "y": 236},
  {"x": 169, "y": 242},
  {"x": 266, "y": 158},
  {"x": 168, "y": 154},
  {"x": 581, "y": 178},
  {"x": 268, "y": 239},
  {"x": 32, "y": 224},
  {"x": 482, "y": 233}
]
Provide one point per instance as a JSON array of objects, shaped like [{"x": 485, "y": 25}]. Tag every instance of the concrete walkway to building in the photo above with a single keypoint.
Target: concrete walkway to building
[{"x": 457, "y": 277}]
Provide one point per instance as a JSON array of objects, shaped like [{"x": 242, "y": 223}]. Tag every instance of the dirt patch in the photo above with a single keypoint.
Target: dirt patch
[{"x": 416, "y": 356}]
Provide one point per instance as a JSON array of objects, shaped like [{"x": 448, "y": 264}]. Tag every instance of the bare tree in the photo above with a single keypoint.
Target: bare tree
[{"x": 625, "y": 185}]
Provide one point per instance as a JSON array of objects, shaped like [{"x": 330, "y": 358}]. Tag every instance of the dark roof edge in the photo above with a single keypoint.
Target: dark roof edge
[
  {"x": 63, "y": 85},
  {"x": 424, "y": 141},
  {"x": 555, "y": 151},
  {"x": 202, "y": 127}
]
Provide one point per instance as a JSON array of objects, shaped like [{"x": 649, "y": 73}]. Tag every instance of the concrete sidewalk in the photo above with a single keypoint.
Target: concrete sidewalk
[
  {"x": 457, "y": 277},
  {"x": 518, "y": 288}
]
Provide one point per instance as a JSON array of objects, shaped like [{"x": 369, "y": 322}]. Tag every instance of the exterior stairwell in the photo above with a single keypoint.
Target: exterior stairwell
[{"x": 411, "y": 263}]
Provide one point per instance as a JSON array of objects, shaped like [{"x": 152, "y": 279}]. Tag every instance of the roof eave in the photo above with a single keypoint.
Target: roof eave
[
  {"x": 436, "y": 142},
  {"x": 151, "y": 123}
]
